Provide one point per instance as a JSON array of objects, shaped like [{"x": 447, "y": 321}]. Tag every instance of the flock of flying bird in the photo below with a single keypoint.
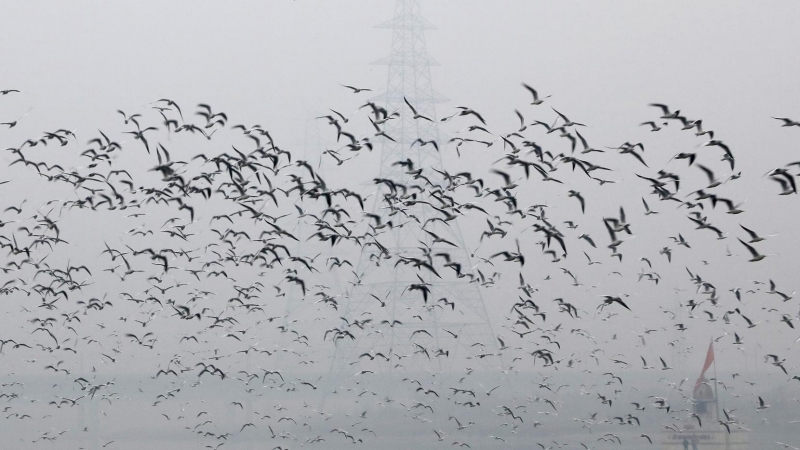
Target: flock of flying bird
[{"x": 219, "y": 238}]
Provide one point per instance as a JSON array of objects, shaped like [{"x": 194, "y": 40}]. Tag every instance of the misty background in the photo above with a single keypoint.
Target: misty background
[{"x": 281, "y": 64}]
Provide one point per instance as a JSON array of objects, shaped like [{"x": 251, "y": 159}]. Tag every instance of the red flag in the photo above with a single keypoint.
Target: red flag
[{"x": 707, "y": 364}]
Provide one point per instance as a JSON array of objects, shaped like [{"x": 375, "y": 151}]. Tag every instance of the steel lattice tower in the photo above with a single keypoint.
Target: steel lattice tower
[{"x": 464, "y": 332}]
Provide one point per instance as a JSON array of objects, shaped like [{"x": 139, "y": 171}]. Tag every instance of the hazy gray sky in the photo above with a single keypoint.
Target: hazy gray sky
[{"x": 280, "y": 64}]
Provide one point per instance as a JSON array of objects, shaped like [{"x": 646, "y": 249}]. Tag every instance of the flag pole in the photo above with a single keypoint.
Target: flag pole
[{"x": 716, "y": 396}]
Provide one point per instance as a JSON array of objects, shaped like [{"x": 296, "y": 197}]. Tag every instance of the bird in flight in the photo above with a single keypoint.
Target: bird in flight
[
  {"x": 536, "y": 99},
  {"x": 414, "y": 112},
  {"x": 356, "y": 90}
]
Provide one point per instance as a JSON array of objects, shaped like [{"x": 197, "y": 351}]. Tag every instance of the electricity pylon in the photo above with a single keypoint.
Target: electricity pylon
[{"x": 387, "y": 317}]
